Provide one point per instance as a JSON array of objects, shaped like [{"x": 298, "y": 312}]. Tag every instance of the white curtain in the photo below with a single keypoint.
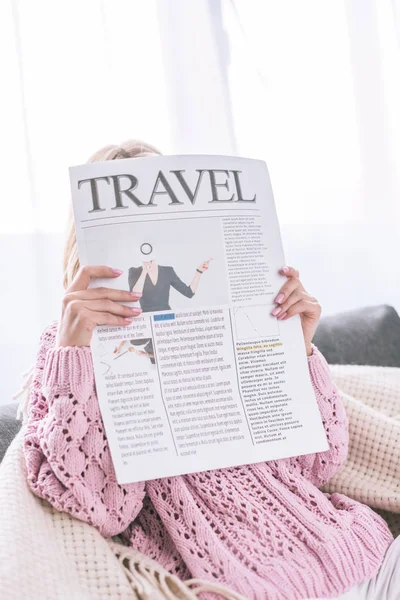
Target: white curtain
[
  {"x": 311, "y": 87},
  {"x": 315, "y": 90},
  {"x": 75, "y": 76}
]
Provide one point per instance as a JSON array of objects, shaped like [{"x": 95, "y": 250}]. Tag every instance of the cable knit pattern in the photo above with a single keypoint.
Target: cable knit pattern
[
  {"x": 67, "y": 455},
  {"x": 265, "y": 530}
]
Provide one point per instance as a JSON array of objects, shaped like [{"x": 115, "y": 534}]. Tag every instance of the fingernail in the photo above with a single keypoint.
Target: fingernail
[
  {"x": 128, "y": 320},
  {"x": 136, "y": 294},
  {"x": 282, "y": 316},
  {"x": 285, "y": 270},
  {"x": 276, "y": 311},
  {"x": 279, "y": 298},
  {"x": 117, "y": 271},
  {"x": 136, "y": 311}
]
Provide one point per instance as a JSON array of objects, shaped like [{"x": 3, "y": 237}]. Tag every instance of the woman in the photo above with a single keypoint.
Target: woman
[
  {"x": 154, "y": 282},
  {"x": 264, "y": 530}
]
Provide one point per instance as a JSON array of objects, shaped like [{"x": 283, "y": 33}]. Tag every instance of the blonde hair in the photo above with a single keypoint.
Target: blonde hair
[{"x": 128, "y": 149}]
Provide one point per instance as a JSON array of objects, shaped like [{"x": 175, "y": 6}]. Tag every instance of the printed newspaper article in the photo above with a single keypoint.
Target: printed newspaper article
[{"x": 205, "y": 378}]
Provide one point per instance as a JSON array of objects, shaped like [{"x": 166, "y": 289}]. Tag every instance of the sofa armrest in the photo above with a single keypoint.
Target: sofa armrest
[{"x": 366, "y": 336}]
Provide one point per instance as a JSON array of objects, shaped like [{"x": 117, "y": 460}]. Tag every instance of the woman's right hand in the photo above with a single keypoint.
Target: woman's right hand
[{"x": 83, "y": 309}]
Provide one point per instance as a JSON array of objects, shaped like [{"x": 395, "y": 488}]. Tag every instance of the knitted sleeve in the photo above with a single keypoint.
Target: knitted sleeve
[
  {"x": 321, "y": 466},
  {"x": 66, "y": 451}
]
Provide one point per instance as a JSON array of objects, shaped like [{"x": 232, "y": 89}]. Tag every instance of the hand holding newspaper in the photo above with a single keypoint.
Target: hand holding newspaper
[{"x": 205, "y": 378}]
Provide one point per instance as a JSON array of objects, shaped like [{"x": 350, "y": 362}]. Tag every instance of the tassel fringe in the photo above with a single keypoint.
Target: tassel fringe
[{"x": 150, "y": 581}]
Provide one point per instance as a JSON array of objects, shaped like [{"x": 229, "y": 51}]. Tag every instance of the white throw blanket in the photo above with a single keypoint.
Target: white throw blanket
[
  {"x": 371, "y": 473},
  {"x": 49, "y": 555}
]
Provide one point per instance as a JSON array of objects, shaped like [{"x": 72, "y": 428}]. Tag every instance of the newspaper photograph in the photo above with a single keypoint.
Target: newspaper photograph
[{"x": 205, "y": 377}]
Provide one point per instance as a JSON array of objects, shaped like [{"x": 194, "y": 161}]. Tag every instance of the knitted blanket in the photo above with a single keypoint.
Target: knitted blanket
[
  {"x": 371, "y": 473},
  {"x": 51, "y": 555}
]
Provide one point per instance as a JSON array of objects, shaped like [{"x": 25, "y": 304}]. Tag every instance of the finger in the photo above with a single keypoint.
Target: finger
[
  {"x": 288, "y": 288},
  {"x": 289, "y": 272},
  {"x": 294, "y": 297},
  {"x": 80, "y": 309},
  {"x": 105, "y": 318},
  {"x": 112, "y": 307},
  {"x": 101, "y": 293},
  {"x": 82, "y": 317},
  {"x": 86, "y": 273},
  {"x": 312, "y": 309}
]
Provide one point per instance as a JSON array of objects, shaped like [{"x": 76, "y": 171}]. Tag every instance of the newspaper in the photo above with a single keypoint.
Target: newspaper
[{"x": 205, "y": 377}]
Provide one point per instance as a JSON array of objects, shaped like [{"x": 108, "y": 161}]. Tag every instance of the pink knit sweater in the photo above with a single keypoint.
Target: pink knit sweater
[{"x": 264, "y": 529}]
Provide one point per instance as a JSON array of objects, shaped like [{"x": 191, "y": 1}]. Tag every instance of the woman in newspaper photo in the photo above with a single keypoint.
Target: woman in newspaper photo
[
  {"x": 264, "y": 530},
  {"x": 154, "y": 281}
]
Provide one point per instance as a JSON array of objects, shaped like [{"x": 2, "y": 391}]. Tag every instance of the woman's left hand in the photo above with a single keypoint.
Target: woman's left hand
[
  {"x": 204, "y": 265},
  {"x": 292, "y": 299}
]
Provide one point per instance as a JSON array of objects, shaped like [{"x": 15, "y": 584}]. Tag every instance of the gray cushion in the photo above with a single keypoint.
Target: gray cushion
[
  {"x": 367, "y": 336},
  {"x": 9, "y": 426}
]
